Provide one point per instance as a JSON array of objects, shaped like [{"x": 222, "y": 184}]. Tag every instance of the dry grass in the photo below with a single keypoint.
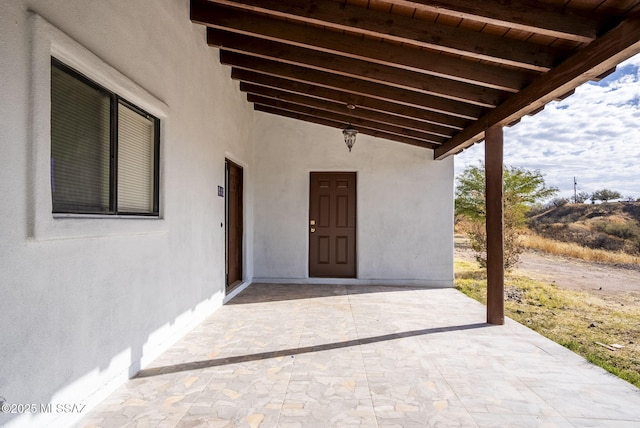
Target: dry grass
[
  {"x": 573, "y": 319},
  {"x": 570, "y": 249}
]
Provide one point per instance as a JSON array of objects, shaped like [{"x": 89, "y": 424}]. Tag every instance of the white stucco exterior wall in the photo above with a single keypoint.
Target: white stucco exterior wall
[
  {"x": 84, "y": 303},
  {"x": 404, "y": 204}
]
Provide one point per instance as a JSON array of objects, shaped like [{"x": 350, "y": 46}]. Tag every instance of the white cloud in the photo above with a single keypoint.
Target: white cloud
[{"x": 593, "y": 135}]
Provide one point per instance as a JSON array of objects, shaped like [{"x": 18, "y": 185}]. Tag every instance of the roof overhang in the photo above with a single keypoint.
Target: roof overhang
[{"x": 434, "y": 74}]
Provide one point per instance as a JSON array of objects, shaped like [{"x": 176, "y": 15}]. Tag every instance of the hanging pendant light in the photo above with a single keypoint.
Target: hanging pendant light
[{"x": 349, "y": 131}]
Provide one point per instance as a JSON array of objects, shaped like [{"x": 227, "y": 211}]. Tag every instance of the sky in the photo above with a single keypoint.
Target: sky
[{"x": 593, "y": 135}]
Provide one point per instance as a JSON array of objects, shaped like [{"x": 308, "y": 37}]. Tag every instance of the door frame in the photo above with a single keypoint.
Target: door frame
[
  {"x": 308, "y": 217},
  {"x": 240, "y": 221}
]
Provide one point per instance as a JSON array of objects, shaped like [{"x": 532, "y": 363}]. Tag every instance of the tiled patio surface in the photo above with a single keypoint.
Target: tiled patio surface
[{"x": 318, "y": 356}]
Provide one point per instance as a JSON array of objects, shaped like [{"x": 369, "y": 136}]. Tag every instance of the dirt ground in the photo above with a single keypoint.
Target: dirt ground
[{"x": 599, "y": 279}]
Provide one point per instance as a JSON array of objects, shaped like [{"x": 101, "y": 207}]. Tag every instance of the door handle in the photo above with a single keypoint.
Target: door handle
[{"x": 313, "y": 230}]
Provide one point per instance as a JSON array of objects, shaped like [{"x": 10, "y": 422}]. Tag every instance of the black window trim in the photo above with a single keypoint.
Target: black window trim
[{"x": 115, "y": 101}]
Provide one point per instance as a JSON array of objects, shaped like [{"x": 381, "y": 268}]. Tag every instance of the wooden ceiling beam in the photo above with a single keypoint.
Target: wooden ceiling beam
[
  {"x": 340, "y": 108},
  {"x": 271, "y": 82},
  {"x": 345, "y": 118},
  {"x": 604, "y": 75},
  {"x": 405, "y": 57},
  {"x": 340, "y": 125},
  {"x": 588, "y": 63},
  {"x": 439, "y": 37},
  {"x": 565, "y": 96},
  {"x": 524, "y": 15},
  {"x": 352, "y": 85},
  {"x": 349, "y": 67}
]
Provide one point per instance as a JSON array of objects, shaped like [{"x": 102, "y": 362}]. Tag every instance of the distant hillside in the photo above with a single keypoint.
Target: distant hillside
[{"x": 613, "y": 226}]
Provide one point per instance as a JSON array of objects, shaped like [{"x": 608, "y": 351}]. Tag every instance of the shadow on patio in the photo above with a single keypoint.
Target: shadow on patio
[
  {"x": 294, "y": 355},
  {"x": 297, "y": 351}
]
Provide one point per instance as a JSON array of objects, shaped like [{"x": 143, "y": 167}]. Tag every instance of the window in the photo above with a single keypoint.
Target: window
[{"x": 104, "y": 150}]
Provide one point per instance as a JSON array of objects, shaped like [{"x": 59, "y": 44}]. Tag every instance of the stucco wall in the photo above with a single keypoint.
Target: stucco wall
[
  {"x": 86, "y": 302},
  {"x": 404, "y": 204}
]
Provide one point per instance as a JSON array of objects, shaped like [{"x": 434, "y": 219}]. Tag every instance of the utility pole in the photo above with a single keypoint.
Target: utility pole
[{"x": 575, "y": 191}]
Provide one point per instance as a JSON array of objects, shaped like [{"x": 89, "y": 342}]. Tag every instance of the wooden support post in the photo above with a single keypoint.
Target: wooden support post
[{"x": 493, "y": 147}]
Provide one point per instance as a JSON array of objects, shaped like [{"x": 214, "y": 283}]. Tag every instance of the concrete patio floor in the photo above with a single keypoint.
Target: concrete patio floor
[{"x": 318, "y": 356}]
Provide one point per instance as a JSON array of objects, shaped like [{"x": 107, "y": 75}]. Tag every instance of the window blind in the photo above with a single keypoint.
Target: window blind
[
  {"x": 80, "y": 145},
  {"x": 136, "y": 161}
]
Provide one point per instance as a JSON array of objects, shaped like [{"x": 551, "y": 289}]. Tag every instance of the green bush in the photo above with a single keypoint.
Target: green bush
[{"x": 620, "y": 230}]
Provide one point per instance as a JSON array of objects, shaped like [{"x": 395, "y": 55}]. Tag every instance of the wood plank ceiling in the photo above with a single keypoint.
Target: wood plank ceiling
[{"x": 430, "y": 73}]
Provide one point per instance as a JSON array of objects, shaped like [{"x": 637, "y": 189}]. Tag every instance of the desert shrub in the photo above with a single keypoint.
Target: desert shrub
[
  {"x": 559, "y": 202},
  {"x": 536, "y": 209},
  {"x": 623, "y": 230},
  {"x": 512, "y": 245},
  {"x": 522, "y": 189},
  {"x": 620, "y": 230},
  {"x": 605, "y": 242}
]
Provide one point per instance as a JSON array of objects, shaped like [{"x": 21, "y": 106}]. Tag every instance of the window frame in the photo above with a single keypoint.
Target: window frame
[
  {"x": 136, "y": 86},
  {"x": 114, "y": 102}
]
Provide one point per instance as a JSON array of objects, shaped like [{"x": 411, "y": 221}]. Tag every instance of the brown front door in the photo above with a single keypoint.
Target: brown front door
[
  {"x": 332, "y": 224},
  {"x": 234, "y": 220}
]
